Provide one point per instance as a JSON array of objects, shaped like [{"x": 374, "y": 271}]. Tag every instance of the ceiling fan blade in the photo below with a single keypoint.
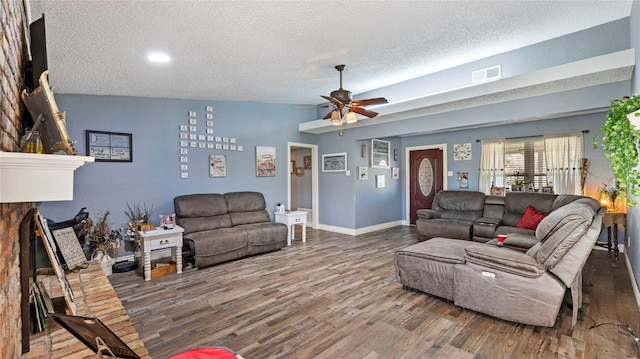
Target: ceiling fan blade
[
  {"x": 332, "y": 100},
  {"x": 371, "y": 101},
  {"x": 328, "y": 116},
  {"x": 364, "y": 112}
]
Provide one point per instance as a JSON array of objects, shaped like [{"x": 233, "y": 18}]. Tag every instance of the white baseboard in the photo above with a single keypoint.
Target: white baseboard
[
  {"x": 634, "y": 284},
  {"x": 359, "y": 231}
]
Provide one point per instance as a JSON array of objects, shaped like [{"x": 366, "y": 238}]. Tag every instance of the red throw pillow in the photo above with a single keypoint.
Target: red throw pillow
[{"x": 531, "y": 218}]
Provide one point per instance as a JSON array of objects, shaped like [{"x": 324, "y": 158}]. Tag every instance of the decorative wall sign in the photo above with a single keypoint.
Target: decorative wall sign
[
  {"x": 380, "y": 153},
  {"x": 70, "y": 248},
  {"x": 395, "y": 173},
  {"x": 217, "y": 166},
  {"x": 334, "y": 162},
  {"x": 462, "y": 151},
  {"x": 42, "y": 231},
  {"x": 109, "y": 146},
  {"x": 363, "y": 173},
  {"x": 265, "y": 161}
]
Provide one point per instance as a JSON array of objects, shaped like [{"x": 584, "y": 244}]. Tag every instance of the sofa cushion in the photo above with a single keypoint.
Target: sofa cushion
[
  {"x": 240, "y": 218},
  {"x": 560, "y": 230},
  {"x": 530, "y": 218},
  {"x": 199, "y": 224},
  {"x": 516, "y": 204},
  {"x": 200, "y": 205},
  {"x": 466, "y": 205},
  {"x": 265, "y": 237},
  {"x": 503, "y": 259},
  {"x": 245, "y": 201},
  {"x": 442, "y": 227}
]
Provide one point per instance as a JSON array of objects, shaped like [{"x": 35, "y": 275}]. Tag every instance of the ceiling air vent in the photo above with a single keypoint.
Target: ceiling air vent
[{"x": 488, "y": 74}]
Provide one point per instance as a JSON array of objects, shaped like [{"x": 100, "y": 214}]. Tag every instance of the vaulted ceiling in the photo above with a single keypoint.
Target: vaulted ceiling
[{"x": 285, "y": 51}]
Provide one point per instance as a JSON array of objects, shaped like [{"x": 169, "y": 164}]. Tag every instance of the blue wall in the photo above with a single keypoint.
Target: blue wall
[
  {"x": 633, "y": 214},
  {"x": 345, "y": 202},
  {"x": 154, "y": 175}
]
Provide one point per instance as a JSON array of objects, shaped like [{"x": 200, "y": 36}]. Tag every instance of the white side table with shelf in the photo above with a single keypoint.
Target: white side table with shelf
[
  {"x": 159, "y": 239},
  {"x": 291, "y": 218}
]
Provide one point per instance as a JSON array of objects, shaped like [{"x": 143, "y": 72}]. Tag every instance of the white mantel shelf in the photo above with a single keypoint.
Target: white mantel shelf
[{"x": 27, "y": 177}]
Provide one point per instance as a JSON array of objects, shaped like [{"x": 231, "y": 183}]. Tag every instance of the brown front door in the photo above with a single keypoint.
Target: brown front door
[{"x": 426, "y": 176}]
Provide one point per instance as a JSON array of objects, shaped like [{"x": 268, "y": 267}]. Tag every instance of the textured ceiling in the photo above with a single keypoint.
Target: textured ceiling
[{"x": 284, "y": 52}]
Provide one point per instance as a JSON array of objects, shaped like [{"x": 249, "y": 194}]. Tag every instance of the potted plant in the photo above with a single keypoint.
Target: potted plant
[
  {"x": 619, "y": 140},
  {"x": 102, "y": 240},
  {"x": 138, "y": 216}
]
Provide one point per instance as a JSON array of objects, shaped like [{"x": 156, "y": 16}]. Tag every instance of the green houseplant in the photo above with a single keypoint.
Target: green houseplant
[{"x": 619, "y": 141}]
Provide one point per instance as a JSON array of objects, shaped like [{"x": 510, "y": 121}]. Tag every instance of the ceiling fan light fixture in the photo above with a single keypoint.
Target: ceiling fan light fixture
[
  {"x": 336, "y": 118},
  {"x": 351, "y": 117}
]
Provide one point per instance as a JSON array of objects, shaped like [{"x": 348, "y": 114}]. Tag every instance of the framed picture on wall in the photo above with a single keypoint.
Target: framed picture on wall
[
  {"x": 265, "y": 161},
  {"x": 217, "y": 166},
  {"x": 307, "y": 162},
  {"x": 109, "y": 146},
  {"x": 380, "y": 153},
  {"x": 334, "y": 162}
]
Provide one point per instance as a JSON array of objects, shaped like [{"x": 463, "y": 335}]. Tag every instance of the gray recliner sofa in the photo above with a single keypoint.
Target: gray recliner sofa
[
  {"x": 508, "y": 284},
  {"x": 223, "y": 227},
  {"x": 470, "y": 215}
]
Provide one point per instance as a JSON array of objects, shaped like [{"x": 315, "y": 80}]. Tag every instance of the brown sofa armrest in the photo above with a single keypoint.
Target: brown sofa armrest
[
  {"x": 427, "y": 213},
  {"x": 504, "y": 260}
]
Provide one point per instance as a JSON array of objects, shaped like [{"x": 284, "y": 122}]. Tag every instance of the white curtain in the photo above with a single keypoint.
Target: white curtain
[
  {"x": 563, "y": 156},
  {"x": 491, "y": 165}
]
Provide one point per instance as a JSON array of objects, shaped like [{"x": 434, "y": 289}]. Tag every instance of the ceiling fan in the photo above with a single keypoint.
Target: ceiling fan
[{"x": 345, "y": 108}]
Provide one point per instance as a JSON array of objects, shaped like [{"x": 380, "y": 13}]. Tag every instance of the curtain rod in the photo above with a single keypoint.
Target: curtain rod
[{"x": 515, "y": 138}]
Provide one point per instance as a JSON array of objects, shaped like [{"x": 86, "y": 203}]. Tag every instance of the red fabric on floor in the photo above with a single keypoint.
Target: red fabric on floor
[{"x": 206, "y": 353}]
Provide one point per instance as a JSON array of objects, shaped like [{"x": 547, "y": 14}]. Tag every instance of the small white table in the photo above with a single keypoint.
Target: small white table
[
  {"x": 159, "y": 239},
  {"x": 292, "y": 218}
]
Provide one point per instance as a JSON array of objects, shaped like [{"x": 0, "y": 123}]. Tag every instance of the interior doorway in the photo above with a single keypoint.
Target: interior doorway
[
  {"x": 426, "y": 168},
  {"x": 302, "y": 182}
]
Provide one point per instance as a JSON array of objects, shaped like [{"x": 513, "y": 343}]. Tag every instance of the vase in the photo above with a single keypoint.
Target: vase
[
  {"x": 106, "y": 262},
  {"x": 137, "y": 258}
]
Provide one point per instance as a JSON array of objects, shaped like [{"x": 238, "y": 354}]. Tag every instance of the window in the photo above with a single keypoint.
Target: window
[
  {"x": 524, "y": 163},
  {"x": 542, "y": 161}
]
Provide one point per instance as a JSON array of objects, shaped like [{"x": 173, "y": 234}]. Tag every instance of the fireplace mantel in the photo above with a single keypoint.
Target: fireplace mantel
[{"x": 28, "y": 177}]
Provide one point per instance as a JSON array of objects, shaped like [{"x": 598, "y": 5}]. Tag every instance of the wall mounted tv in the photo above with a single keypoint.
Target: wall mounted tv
[{"x": 38, "y": 53}]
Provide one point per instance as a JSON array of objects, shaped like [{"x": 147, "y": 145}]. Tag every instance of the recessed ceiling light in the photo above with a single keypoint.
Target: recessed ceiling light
[{"x": 158, "y": 57}]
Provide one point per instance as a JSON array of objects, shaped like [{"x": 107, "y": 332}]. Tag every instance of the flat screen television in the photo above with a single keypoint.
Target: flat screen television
[{"x": 38, "y": 47}]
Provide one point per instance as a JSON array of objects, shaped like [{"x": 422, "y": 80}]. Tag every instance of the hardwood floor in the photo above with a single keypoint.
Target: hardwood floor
[{"x": 336, "y": 296}]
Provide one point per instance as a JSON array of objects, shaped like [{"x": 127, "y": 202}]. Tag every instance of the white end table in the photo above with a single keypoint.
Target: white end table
[
  {"x": 292, "y": 218},
  {"x": 159, "y": 239}
]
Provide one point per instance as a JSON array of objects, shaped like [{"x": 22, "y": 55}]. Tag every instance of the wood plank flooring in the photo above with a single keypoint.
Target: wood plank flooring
[{"x": 336, "y": 296}]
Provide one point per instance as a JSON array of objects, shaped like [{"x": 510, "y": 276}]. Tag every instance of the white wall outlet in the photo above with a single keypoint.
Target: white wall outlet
[{"x": 348, "y": 173}]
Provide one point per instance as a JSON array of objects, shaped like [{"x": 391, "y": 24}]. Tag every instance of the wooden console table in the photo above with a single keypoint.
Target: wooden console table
[
  {"x": 613, "y": 219},
  {"x": 94, "y": 297}
]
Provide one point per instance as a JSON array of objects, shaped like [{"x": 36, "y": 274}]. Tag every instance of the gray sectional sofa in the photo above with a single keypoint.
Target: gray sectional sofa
[
  {"x": 490, "y": 278},
  {"x": 471, "y": 215},
  {"x": 223, "y": 227}
]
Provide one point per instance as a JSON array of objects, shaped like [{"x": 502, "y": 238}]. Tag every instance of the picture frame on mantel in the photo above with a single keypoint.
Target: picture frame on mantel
[{"x": 109, "y": 146}]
